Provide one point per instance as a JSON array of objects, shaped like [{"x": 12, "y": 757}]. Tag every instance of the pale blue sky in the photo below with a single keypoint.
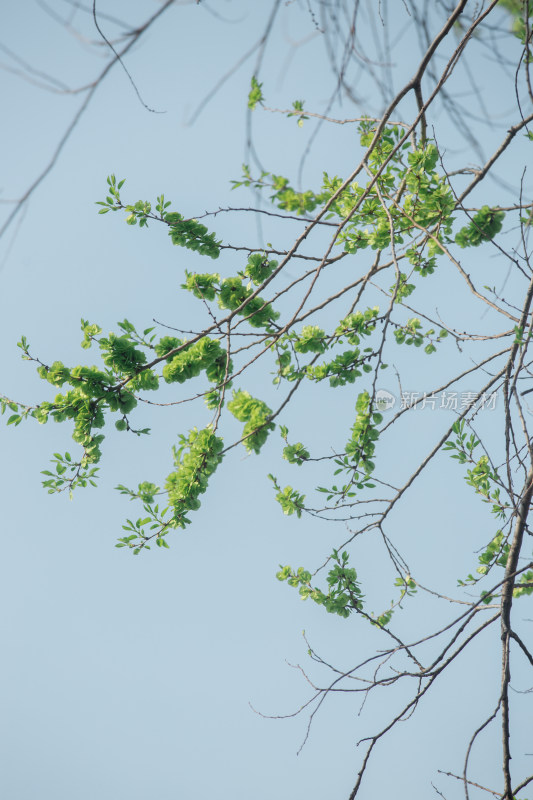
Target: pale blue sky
[{"x": 129, "y": 677}]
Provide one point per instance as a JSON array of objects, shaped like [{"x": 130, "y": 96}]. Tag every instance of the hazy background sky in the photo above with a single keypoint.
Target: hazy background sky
[{"x": 129, "y": 677}]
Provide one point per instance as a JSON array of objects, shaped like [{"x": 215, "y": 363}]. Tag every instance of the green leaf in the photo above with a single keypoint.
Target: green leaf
[{"x": 255, "y": 95}]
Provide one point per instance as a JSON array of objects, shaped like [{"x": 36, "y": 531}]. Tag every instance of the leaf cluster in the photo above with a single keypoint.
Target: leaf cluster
[{"x": 344, "y": 593}]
